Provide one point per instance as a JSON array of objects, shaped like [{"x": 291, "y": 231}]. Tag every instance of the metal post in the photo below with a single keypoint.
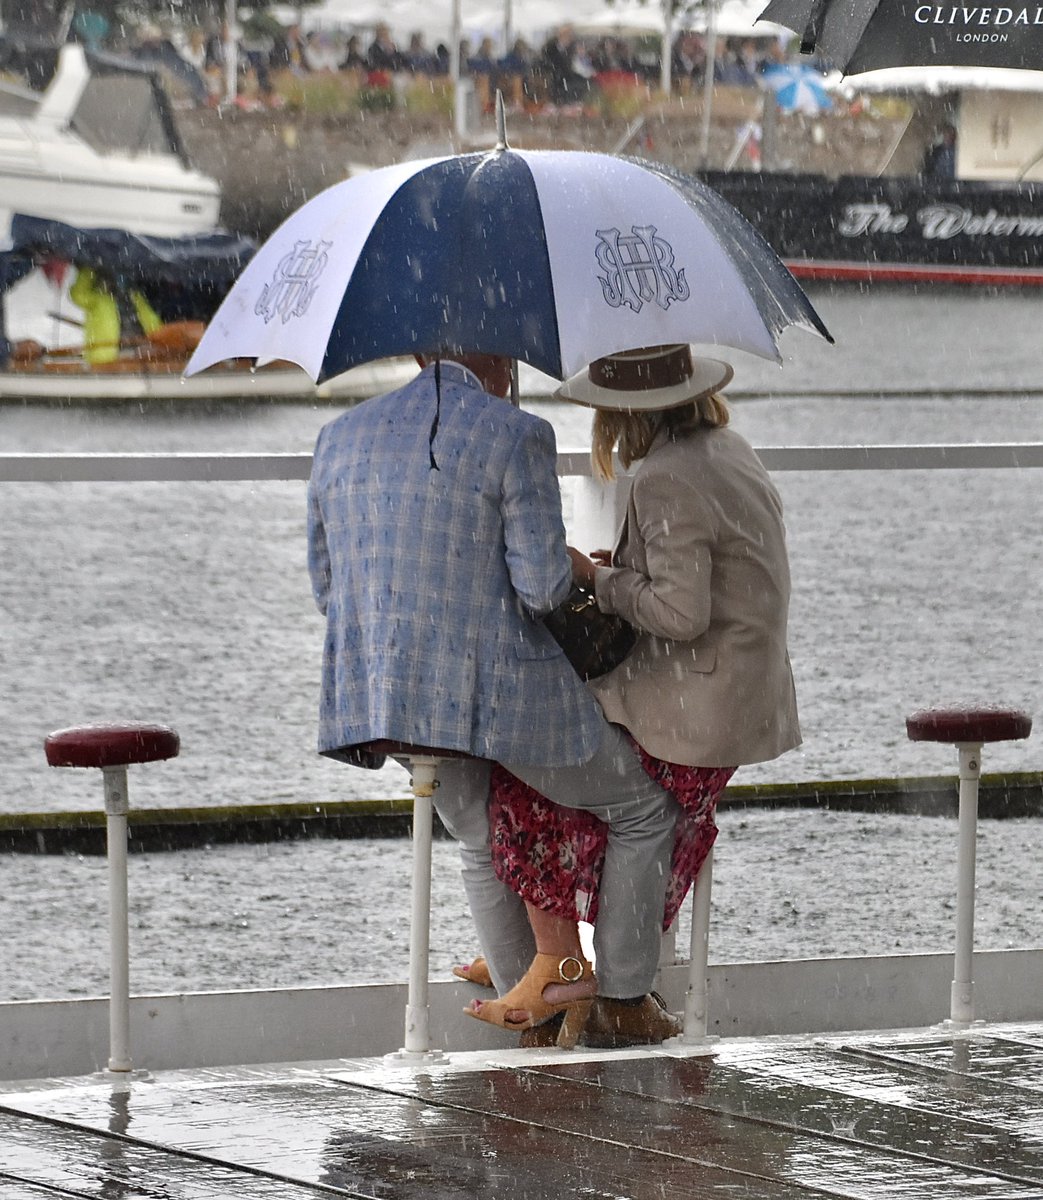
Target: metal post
[
  {"x": 961, "y": 1010},
  {"x": 116, "y": 809},
  {"x": 418, "y": 1012},
  {"x": 598, "y": 509},
  {"x": 711, "y": 63},
  {"x": 231, "y": 52},
  {"x": 668, "y": 947},
  {"x": 508, "y": 27},
  {"x": 769, "y": 131},
  {"x": 666, "y": 49},
  {"x": 456, "y": 69},
  {"x": 695, "y": 1000}
]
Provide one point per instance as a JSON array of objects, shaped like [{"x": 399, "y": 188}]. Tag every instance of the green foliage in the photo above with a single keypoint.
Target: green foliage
[
  {"x": 323, "y": 95},
  {"x": 429, "y": 98},
  {"x": 376, "y": 99},
  {"x": 261, "y": 23},
  {"x": 178, "y": 12},
  {"x": 335, "y": 94},
  {"x": 623, "y": 101}
]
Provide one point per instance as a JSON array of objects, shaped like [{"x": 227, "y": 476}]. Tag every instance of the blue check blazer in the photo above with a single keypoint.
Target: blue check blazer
[{"x": 433, "y": 581}]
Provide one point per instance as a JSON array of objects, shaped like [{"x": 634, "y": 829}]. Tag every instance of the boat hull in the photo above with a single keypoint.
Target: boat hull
[
  {"x": 894, "y": 229},
  {"x": 80, "y": 384},
  {"x": 159, "y": 198}
]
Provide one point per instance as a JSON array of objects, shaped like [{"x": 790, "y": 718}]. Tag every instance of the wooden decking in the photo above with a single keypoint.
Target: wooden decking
[{"x": 892, "y": 1116}]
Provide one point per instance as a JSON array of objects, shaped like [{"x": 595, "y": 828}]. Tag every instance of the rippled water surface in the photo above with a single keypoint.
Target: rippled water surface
[
  {"x": 190, "y": 604},
  {"x": 333, "y": 912}
]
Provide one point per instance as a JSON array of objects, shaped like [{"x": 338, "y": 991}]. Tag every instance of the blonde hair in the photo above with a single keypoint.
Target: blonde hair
[{"x": 634, "y": 432}]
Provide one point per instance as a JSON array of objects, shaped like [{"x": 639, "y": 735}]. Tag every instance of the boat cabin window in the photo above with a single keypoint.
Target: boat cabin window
[
  {"x": 119, "y": 112},
  {"x": 17, "y": 101}
]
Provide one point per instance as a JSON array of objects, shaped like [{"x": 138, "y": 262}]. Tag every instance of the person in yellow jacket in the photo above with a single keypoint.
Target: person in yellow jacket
[
  {"x": 101, "y": 316},
  {"x": 148, "y": 318}
]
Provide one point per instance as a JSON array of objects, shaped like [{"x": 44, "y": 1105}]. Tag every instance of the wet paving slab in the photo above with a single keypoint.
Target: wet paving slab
[{"x": 922, "y": 1114}]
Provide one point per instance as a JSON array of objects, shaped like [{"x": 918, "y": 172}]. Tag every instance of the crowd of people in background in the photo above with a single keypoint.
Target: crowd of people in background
[{"x": 565, "y": 72}]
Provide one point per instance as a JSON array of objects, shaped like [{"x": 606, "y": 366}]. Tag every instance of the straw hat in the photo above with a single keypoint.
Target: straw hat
[{"x": 646, "y": 380}]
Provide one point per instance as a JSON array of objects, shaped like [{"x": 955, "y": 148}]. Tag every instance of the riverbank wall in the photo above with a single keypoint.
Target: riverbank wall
[
  {"x": 271, "y": 161},
  {"x": 150, "y": 830}
]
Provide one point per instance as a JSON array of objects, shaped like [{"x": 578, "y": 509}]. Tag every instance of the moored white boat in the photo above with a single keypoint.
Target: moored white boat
[
  {"x": 183, "y": 278},
  {"x": 100, "y": 147},
  {"x": 73, "y": 381}
]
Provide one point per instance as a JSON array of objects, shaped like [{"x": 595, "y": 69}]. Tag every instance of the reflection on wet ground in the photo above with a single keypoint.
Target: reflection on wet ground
[{"x": 927, "y": 1114}]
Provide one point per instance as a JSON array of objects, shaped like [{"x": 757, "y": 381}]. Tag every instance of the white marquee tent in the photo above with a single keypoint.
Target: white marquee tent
[{"x": 534, "y": 20}]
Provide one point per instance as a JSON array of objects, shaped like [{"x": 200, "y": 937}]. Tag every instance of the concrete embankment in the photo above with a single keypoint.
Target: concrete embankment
[
  {"x": 269, "y": 162},
  {"x": 1006, "y": 795}
]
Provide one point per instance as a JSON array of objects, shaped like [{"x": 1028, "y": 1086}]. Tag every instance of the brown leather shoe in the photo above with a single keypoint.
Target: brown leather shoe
[
  {"x": 540, "y": 1036},
  {"x": 612, "y": 1024}
]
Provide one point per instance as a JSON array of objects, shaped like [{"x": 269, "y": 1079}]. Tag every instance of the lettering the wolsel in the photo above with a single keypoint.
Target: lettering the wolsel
[{"x": 937, "y": 221}]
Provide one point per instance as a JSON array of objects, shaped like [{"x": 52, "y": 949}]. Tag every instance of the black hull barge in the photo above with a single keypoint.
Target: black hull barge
[{"x": 895, "y": 228}]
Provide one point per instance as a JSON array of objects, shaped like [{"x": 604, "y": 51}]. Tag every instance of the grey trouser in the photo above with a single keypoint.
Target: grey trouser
[{"x": 641, "y": 817}]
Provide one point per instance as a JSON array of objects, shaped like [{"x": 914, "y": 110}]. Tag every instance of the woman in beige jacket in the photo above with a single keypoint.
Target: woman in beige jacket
[{"x": 700, "y": 571}]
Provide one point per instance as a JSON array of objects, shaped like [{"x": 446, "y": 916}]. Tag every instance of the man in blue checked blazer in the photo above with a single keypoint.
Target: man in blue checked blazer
[{"x": 435, "y": 545}]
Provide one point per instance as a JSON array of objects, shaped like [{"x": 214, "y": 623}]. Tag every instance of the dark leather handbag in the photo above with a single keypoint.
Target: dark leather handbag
[{"x": 594, "y": 642}]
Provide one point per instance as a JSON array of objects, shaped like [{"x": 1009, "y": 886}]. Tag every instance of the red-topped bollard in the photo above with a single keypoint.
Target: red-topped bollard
[
  {"x": 968, "y": 729},
  {"x": 111, "y": 748},
  {"x": 423, "y": 763}
]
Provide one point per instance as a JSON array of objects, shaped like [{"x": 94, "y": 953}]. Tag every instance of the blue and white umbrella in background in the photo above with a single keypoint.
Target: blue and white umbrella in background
[
  {"x": 798, "y": 88},
  {"x": 553, "y": 258}
]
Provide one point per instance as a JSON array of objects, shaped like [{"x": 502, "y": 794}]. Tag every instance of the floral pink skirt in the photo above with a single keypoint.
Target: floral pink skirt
[{"x": 552, "y": 856}]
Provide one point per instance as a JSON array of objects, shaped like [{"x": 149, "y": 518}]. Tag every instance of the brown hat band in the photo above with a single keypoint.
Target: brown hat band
[{"x": 621, "y": 373}]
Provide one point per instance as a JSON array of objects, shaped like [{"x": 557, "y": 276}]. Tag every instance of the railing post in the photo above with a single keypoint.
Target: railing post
[
  {"x": 417, "y": 1045},
  {"x": 116, "y": 808},
  {"x": 696, "y": 997},
  {"x": 961, "y": 1009},
  {"x": 968, "y": 729}
]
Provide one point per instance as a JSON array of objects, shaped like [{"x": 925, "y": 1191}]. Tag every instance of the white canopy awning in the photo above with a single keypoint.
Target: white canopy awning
[
  {"x": 938, "y": 80},
  {"x": 532, "y": 19}
]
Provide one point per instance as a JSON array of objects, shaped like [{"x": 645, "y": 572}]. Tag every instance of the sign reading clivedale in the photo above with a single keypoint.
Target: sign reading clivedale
[
  {"x": 867, "y": 35},
  {"x": 902, "y": 34},
  {"x": 927, "y": 14}
]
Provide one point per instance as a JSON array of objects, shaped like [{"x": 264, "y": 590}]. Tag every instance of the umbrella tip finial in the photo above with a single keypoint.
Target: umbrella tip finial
[{"x": 501, "y": 122}]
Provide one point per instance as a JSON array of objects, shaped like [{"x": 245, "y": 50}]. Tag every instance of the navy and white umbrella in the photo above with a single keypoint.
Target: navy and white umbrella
[{"x": 554, "y": 258}]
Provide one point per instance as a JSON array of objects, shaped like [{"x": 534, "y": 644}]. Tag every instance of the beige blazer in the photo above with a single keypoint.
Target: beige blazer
[{"x": 701, "y": 570}]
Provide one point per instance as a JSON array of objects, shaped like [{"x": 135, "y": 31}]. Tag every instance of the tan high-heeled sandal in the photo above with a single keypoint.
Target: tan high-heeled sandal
[
  {"x": 477, "y": 972},
  {"x": 527, "y": 996}
]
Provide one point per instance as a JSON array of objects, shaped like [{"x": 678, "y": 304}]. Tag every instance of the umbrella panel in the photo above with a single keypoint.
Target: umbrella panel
[
  {"x": 636, "y": 263},
  {"x": 443, "y": 269},
  {"x": 779, "y": 298},
  {"x": 554, "y": 258}
]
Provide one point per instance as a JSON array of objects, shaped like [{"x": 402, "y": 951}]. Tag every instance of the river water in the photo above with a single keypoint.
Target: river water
[{"x": 189, "y": 604}]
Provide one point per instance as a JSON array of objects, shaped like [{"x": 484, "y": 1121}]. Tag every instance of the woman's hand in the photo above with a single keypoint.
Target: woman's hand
[{"x": 583, "y": 568}]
